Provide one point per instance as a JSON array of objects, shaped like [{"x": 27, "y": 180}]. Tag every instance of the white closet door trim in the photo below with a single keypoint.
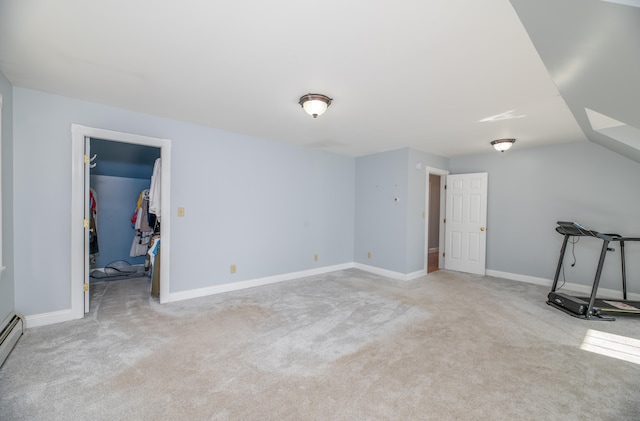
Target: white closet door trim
[
  {"x": 442, "y": 174},
  {"x": 78, "y": 134}
]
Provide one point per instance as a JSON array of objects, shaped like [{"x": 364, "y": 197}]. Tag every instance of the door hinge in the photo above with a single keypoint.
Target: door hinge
[
  {"x": 86, "y": 159},
  {"x": 442, "y": 254},
  {"x": 445, "y": 221},
  {"x": 86, "y": 287},
  {"x": 85, "y": 223},
  {"x": 445, "y": 186}
]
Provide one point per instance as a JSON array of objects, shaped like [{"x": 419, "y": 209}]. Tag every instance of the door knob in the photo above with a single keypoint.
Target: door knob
[{"x": 482, "y": 228}]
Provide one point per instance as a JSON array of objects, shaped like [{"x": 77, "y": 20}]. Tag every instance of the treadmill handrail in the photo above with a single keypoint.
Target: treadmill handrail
[
  {"x": 627, "y": 239},
  {"x": 577, "y": 230}
]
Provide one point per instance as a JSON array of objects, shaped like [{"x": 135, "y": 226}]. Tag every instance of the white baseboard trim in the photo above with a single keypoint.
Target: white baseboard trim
[
  {"x": 580, "y": 289},
  {"x": 251, "y": 283},
  {"x": 389, "y": 273},
  {"x": 235, "y": 286},
  {"x": 416, "y": 275},
  {"x": 50, "y": 318}
]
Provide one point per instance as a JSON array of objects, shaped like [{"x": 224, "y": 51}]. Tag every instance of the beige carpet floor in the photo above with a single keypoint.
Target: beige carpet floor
[{"x": 342, "y": 346}]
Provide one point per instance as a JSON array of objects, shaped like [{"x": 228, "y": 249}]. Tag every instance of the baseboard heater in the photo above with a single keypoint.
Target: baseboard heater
[{"x": 12, "y": 328}]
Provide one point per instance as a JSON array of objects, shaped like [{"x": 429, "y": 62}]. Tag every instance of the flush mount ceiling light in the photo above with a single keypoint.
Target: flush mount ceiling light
[
  {"x": 502, "y": 145},
  {"x": 315, "y": 104}
]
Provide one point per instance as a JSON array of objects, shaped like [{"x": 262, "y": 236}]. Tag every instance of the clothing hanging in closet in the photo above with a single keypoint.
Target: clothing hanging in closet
[
  {"x": 93, "y": 226},
  {"x": 144, "y": 229},
  {"x": 154, "y": 190}
]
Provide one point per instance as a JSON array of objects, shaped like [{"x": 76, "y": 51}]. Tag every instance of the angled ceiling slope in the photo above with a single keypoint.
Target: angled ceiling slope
[{"x": 590, "y": 48}]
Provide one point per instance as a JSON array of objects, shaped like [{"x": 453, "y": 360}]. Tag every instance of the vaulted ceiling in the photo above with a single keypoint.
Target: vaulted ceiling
[
  {"x": 419, "y": 74},
  {"x": 592, "y": 52}
]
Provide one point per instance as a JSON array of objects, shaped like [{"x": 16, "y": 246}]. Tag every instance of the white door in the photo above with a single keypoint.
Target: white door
[
  {"x": 465, "y": 223},
  {"x": 87, "y": 216}
]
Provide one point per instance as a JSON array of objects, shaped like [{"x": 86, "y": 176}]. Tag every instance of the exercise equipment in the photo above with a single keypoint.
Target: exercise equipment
[{"x": 592, "y": 307}]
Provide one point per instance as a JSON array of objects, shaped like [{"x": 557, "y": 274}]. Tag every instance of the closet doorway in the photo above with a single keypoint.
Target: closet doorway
[
  {"x": 121, "y": 229},
  {"x": 81, "y": 139}
]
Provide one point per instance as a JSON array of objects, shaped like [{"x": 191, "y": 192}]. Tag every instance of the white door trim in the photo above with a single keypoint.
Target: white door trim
[
  {"x": 78, "y": 134},
  {"x": 440, "y": 172}
]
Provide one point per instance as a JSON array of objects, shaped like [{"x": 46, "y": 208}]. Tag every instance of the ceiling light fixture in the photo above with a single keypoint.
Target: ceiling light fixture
[
  {"x": 502, "y": 145},
  {"x": 315, "y": 104}
]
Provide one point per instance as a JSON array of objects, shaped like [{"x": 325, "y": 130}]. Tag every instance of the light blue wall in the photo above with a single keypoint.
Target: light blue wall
[
  {"x": 267, "y": 207},
  {"x": 117, "y": 198},
  {"x": 7, "y": 279},
  {"x": 381, "y": 221},
  {"x": 416, "y": 254},
  {"x": 394, "y": 232},
  {"x": 530, "y": 190}
]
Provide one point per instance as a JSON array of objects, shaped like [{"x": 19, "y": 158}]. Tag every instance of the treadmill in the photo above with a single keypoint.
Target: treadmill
[{"x": 592, "y": 307}]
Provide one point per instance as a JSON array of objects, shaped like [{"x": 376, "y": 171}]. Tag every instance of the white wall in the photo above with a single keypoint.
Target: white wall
[
  {"x": 530, "y": 190},
  {"x": 267, "y": 207}
]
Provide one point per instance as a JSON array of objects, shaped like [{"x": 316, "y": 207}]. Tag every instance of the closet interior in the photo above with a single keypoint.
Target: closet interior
[{"x": 124, "y": 209}]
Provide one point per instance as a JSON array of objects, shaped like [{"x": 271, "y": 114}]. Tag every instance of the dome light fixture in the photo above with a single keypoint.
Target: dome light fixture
[
  {"x": 315, "y": 104},
  {"x": 502, "y": 145}
]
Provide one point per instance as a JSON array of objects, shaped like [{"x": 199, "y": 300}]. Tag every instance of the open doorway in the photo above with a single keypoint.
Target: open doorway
[
  {"x": 123, "y": 227},
  {"x": 434, "y": 224},
  {"x": 433, "y": 242},
  {"x": 80, "y": 224}
]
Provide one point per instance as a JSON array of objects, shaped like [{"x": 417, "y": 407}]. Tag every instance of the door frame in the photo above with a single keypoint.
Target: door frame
[
  {"x": 78, "y": 205},
  {"x": 443, "y": 179}
]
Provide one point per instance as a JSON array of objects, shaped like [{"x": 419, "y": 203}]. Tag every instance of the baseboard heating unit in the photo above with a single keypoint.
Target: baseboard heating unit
[{"x": 12, "y": 328}]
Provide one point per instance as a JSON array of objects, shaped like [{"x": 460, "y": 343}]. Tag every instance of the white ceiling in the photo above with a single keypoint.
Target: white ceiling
[{"x": 409, "y": 73}]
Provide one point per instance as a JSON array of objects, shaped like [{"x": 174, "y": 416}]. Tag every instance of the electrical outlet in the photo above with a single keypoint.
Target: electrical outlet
[
  {"x": 315, "y": 257},
  {"x": 180, "y": 212},
  {"x": 233, "y": 268},
  {"x": 369, "y": 255}
]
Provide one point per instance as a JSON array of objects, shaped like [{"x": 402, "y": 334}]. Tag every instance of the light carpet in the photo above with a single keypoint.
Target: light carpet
[{"x": 347, "y": 345}]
